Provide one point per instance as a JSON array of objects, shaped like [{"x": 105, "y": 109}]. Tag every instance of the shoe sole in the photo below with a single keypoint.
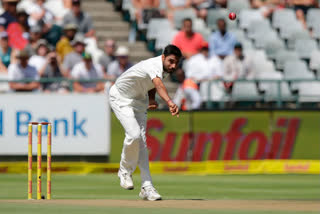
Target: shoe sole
[
  {"x": 146, "y": 199},
  {"x": 127, "y": 188}
]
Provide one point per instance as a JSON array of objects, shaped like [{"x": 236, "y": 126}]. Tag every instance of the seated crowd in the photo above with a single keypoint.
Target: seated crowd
[
  {"x": 215, "y": 55},
  {"x": 39, "y": 50}
]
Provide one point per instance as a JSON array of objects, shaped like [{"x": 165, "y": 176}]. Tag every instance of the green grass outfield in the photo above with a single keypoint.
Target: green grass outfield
[{"x": 305, "y": 188}]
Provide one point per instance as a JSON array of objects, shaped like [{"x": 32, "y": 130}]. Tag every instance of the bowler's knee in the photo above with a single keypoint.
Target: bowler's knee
[{"x": 134, "y": 135}]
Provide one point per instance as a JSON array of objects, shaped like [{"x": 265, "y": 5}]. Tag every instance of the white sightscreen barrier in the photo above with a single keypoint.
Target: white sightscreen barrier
[{"x": 80, "y": 123}]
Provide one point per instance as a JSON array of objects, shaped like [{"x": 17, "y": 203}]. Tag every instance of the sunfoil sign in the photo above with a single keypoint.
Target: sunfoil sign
[{"x": 236, "y": 135}]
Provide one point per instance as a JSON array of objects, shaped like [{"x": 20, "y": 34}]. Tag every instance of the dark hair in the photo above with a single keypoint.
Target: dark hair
[
  {"x": 221, "y": 20},
  {"x": 187, "y": 20},
  {"x": 172, "y": 50},
  {"x": 238, "y": 46}
]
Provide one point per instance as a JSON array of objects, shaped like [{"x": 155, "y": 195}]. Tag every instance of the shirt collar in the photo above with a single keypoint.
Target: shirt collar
[{"x": 226, "y": 35}]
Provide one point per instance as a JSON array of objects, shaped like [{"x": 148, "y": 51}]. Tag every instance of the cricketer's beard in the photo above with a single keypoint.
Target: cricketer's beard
[{"x": 166, "y": 72}]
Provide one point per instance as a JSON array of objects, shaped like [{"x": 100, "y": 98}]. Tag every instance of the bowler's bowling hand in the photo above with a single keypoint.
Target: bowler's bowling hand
[
  {"x": 152, "y": 105},
  {"x": 173, "y": 108}
]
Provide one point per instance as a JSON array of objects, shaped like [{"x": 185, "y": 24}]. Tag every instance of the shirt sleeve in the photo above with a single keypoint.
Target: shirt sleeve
[
  {"x": 76, "y": 72},
  {"x": 12, "y": 71},
  {"x": 36, "y": 75},
  {"x": 153, "y": 73},
  {"x": 89, "y": 24},
  {"x": 66, "y": 63},
  {"x": 99, "y": 71},
  {"x": 112, "y": 69},
  {"x": 66, "y": 19}
]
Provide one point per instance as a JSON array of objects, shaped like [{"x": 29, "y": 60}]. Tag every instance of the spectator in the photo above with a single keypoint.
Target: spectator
[
  {"x": 187, "y": 40},
  {"x": 199, "y": 68},
  {"x": 52, "y": 33},
  {"x": 87, "y": 70},
  {"x": 64, "y": 46},
  {"x": 67, "y": 4},
  {"x": 82, "y": 19},
  {"x": 52, "y": 69},
  {"x": 174, "y": 5},
  {"x": 221, "y": 42},
  {"x": 117, "y": 67},
  {"x": 301, "y": 7},
  {"x": 75, "y": 56},
  {"x": 5, "y": 52},
  {"x": 22, "y": 70},
  {"x": 202, "y": 7},
  {"x": 145, "y": 10},
  {"x": 221, "y": 3},
  {"x": 18, "y": 32},
  {"x": 108, "y": 55},
  {"x": 237, "y": 66},
  {"x": 35, "y": 36},
  {"x": 10, "y": 13},
  {"x": 39, "y": 59},
  {"x": 265, "y": 7},
  {"x": 38, "y": 14}
]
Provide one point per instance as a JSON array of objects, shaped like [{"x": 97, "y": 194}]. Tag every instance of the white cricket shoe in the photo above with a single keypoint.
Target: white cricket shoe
[
  {"x": 125, "y": 181},
  {"x": 149, "y": 193}
]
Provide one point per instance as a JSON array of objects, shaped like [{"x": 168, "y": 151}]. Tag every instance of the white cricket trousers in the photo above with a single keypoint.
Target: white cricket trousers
[{"x": 134, "y": 121}]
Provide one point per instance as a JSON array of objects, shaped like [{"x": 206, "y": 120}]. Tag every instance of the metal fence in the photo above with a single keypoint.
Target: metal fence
[{"x": 254, "y": 93}]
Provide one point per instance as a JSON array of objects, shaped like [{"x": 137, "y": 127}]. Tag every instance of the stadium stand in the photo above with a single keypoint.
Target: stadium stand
[{"x": 283, "y": 48}]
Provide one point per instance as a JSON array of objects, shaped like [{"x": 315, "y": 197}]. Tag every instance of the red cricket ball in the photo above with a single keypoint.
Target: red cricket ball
[{"x": 232, "y": 16}]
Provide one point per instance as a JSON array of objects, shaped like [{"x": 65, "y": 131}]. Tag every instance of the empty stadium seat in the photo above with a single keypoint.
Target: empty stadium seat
[
  {"x": 155, "y": 25},
  {"x": 315, "y": 60},
  {"x": 247, "y": 44},
  {"x": 272, "y": 47},
  {"x": 205, "y": 33},
  {"x": 309, "y": 92},
  {"x": 258, "y": 26},
  {"x": 247, "y": 16},
  {"x": 271, "y": 88},
  {"x": 231, "y": 24},
  {"x": 282, "y": 17},
  {"x": 180, "y": 15},
  {"x": 316, "y": 31},
  {"x": 164, "y": 37},
  {"x": 304, "y": 47},
  {"x": 282, "y": 56},
  {"x": 198, "y": 25},
  {"x": 238, "y": 5},
  {"x": 245, "y": 91},
  {"x": 296, "y": 70},
  {"x": 215, "y": 93},
  {"x": 261, "y": 38},
  {"x": 214, "y": 15},
  {"x": 239, "y": 34},
  {"x": 313, "y": 17},
  {"x": 287, "y": 30},
  {"x": 296, "y": 35}
]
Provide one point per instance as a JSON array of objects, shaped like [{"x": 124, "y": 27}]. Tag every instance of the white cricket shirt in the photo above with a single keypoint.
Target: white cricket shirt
[
  {"x": 137, "y": 80},
  {"x": 80, "y": 71}
]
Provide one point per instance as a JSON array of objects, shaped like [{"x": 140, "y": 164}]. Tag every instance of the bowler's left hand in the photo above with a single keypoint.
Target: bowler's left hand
[{"x": 153, "y": 105}]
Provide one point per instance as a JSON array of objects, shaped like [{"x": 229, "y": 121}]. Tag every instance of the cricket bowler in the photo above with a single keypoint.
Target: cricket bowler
[{"x": 130, "y": 97}]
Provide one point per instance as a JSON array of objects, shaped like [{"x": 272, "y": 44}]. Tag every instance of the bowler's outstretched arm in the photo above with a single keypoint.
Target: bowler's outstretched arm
[{"x": 163, "y": 93}]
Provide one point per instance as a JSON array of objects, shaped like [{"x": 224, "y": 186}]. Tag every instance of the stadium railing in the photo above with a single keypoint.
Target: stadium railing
[{"x": 277, "y": 102}]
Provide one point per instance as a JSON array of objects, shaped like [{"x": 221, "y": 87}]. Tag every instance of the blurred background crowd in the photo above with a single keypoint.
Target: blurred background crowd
[{"x": 98, "y": 40}]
